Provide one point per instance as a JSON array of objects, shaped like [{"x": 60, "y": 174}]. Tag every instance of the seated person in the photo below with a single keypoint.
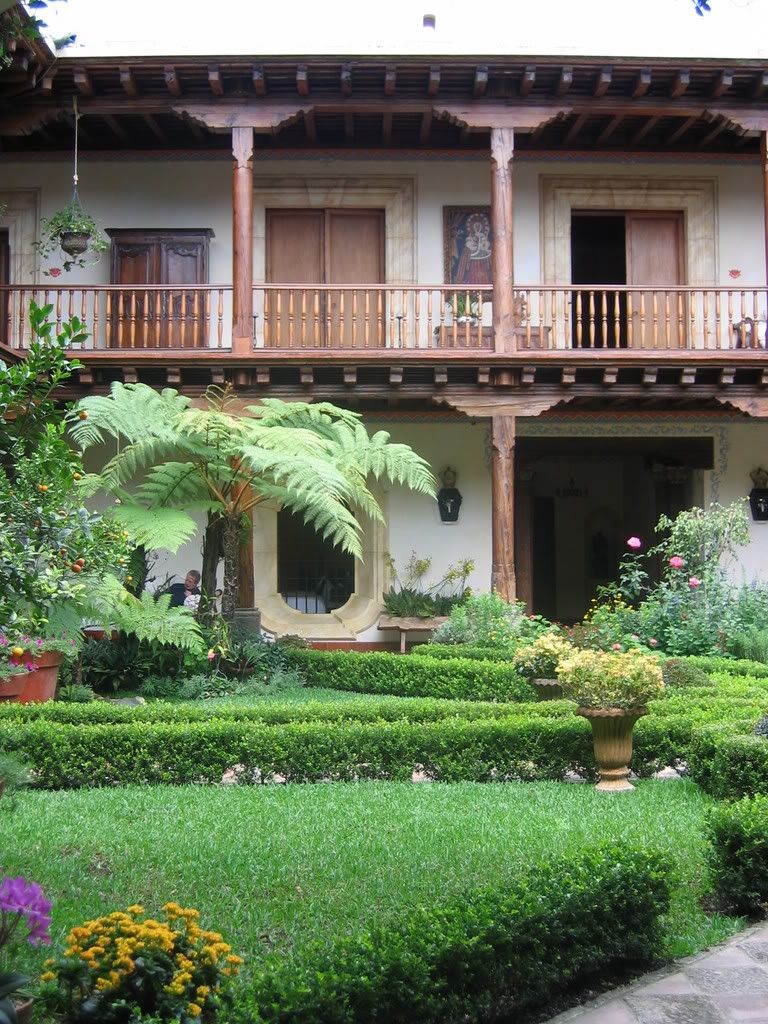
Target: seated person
[{"x": 180, "y": 592}]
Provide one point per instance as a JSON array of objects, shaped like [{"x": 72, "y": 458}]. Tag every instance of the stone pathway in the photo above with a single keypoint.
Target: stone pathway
[{"x": 726, "y": 985}]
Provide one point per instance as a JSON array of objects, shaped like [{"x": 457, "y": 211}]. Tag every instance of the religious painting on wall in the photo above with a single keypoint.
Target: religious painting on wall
[{"x": 467, "y": 245}]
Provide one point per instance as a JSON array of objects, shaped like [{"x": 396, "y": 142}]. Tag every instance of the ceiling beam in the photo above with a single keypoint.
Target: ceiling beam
[
  {"x": 386, "y": 127},
  {"x": 575, "y": 128},
  {"x": 46, "y": 85},
  {"x": 349, "y": 127},
  {"x": 310, "y": 125},
  {"x": 117, "y": 129},
  {"x": 390, "y": 80},
  {"x": 760, "y": 87},
  {"x": 156, "y": 130},
  {"x": 679, "y": 132},
  {"x": 642, "y": 83},
  {"x": 602, "y": 82},
  {"x": 128, "y": 81},
  {"x": 426, "y": 127},
  {"x": 528, "y": 80},
  {"x": 172, "y": 83},
  {"x": 346, "y": 80},
  {"x": 214, "y": 80},
  {"x": 609, "y": 129},
  {"x": 722, "y": 124},
  {"x": 565, "y": 81},
  {"x": 302, "y": 80},
  {"x": 721, "y": 85},
  {"x": 433, "y": 86},
  {"x": 83, "y": 82},
  {"x": 481, "y": 81},
  {"x": 680, "y": 83},
  {"x": 259, "y": 81},
  {"x": 644, "y": 129}
]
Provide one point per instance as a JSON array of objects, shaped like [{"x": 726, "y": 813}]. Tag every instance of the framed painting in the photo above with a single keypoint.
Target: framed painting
[{"x": 467, "y": 245}]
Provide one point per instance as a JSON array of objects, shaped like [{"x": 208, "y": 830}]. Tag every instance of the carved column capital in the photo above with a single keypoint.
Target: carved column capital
[{"x": 242, "y": 147}]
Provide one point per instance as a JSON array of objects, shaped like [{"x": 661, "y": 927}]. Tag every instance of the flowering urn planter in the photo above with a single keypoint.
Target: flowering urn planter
[
  {"x": 36, "y": 686},
  {"x": 612, "y": 741},
  {"x": 547, "y": 689}
]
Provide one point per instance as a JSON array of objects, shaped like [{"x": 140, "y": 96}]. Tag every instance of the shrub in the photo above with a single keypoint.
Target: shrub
[
  {"x": 732, "y": 666},
  {"x": 487, "y": 955},
  {"x": 749, "y": 643},
  {"x": 761, "y": 729},
  {"x": 539, "y": 659},
  {"x": 472, "y": 652},
  {"x": 15, "y": 773},
  {"x": 487, "y": 620},
  {"x": 597, "y": 680},
  {"x": 676, "y": 672},
  {"x": 739, "y": 858},
  {"x": 380, "y": 672},
  {"x": 728, "y": 762},
  {"x": 75, "y": 693}
]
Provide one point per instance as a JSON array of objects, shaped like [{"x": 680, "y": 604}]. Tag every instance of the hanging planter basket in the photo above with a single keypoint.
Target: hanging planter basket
[{"x": 74, "y": 243}]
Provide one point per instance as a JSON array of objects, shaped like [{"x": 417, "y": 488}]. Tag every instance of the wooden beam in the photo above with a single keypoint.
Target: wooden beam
[
  {"x": 310, "y": 127},
  {"x": 386, "y": 127},
  {"x": 83, "y": 82},
  {"x": 214, "y": 80},
  {"x": 761, "y": 86},
  {"x": 519, "y": 117},
  {"x": 503, "y": 506},
  {"x": 721, "y": 85},
  {"x": 764, "y": 168},
  {"x": 481, "y": 81},
  {"x": 349, "y": 127},
  {"x": 117, "y": 129},
  {"x": 156, "y": 130},
  {"x": 172, "y": 83},
  {"x": 258, "y": 80},
  {"x": 642, "y": 83},
  {"x": 242, "y": 242},
  {"x": 679, "y": 132},
  {"x": 390, "y": 80},
  {"x": 345, "y": 82},
  {"x": 528, "y": 80},
  {"x": 302, "y": 80},
  {"x": 680, "y": 83},
  {"x": 433, "y": 85},
  {"x": 720, "y": 127},
  {"x": 502, "y": 265},
  {"x": 46, "y": 85},
  {"x": 602, "y": 82},
  {"x": 644, "y": 129},
  {"x": 128, "y": 81},
  {"x": 426, "y": 126},
  {"x": 576, "y": 127},
  {"x": 609, "y": 129},
  {"x": 565, "y": 81}
]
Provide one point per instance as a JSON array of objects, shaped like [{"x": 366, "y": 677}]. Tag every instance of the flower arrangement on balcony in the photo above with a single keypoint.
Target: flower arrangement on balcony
[{"x": 73, "y": 232}]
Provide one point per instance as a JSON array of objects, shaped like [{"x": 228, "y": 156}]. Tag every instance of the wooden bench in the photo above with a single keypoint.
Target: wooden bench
[{"x": 410, "y": 625}]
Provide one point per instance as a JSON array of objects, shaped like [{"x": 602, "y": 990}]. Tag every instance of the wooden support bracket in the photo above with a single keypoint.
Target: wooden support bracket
[
  {"x": 441, "y": 376},
  {"x": 569, "y": 376},
  {"x": 610, "y": 375},
  {"x": 350, "y": 376},
  {"x": 727, "y": 375},
  {"x": 306, "y": 376},
  {"x": 395, "y": 376},
  {"x": 262, "y": 375},
  {"x": 687, "y": 376},
  {"x": 650, "y": 375}
]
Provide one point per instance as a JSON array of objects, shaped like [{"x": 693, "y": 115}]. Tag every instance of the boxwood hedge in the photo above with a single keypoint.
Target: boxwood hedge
[{"x": 739, "y": 853}]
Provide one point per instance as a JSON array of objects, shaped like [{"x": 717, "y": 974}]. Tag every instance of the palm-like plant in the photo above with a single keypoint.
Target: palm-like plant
[{"x": 172, "y": 458}]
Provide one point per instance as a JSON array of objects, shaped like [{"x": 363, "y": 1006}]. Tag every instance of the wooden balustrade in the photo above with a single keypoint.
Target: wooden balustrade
[{"x": 296, "y": 317}]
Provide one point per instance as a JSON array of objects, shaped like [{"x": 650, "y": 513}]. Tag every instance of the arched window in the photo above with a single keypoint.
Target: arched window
[{"x": 313, "y": 576}]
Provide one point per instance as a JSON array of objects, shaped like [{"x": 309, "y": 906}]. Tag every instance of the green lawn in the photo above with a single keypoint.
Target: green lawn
[{"x": 274, "y": 867}]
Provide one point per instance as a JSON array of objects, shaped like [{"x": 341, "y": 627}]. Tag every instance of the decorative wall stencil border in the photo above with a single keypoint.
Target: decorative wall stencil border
[
  {"x": 696, "y": 197},
  {"x": 396, "y": 195}
]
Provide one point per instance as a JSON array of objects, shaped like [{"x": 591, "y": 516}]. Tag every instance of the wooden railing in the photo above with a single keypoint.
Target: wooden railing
[{"x": 297, "y": 317}]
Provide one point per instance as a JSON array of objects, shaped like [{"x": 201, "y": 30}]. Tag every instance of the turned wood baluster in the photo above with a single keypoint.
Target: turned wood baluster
[
  {"x": 207, "y": 318},
  {"x": 379, "y": 318},
  {"x": 567, "y": 313},
  {"x": 718, "y": 319},
  {"x": 529, "y": 311},
  {"x": 367, "y": 315},
  {"x": 681, "y": 320},
  {"x": 479, "y": 324},
  {"x": 604, "y": 318},
  {"x": 642, "y": 320},
  {"x": 303, "y": 317},
  {"x": 220, "y": 320},
  {"x": 591, "y": 319},
  {"x": 354, "y": 318},
  {"x": 667, "y": 322},
  {"x": 755, "y": 338},
  {"x": 655, "y": 308},
  {"x": 706, "y": 318},
  {"x": 429, "y": 318},
  {"x": 59, "y": 317},
  {"x": 579, "y": 321},
  {"x": 290, "y": 318},
  {"x": 132, "y": 331}
]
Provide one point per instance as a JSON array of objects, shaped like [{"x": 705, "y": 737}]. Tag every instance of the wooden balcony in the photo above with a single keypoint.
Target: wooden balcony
[{"x": 424, "y": 320}]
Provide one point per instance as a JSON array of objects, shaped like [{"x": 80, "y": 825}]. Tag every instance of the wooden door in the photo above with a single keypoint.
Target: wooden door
[
  {"x": 295, "y": 317},
  {"x": 135, "y": 316},
  {"x": 355, "y": 255},
  {"x": 654, "y": 257},
  {"x": 185, "y": 262},
  {"x": 5, "y": 296},
  {"x": 317, "y": 248}
]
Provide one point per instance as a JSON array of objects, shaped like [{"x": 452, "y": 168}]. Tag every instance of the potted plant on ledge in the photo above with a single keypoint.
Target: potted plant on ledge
[
  {"x": 611, "y": 691},
  {"x": 538, "y": 662},
  {"x": 75, "y": 233}
]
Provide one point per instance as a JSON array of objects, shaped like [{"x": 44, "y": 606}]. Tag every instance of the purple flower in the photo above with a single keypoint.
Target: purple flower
[
  {"x": 30, "y": 666},
  {"x": 38, "y": 642},
  {"x": 3, "y": 640},
  {"x": 22, "y": 899}
]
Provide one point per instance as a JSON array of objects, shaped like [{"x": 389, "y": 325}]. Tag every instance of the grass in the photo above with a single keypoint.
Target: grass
[{"x": 276, "y": 867}]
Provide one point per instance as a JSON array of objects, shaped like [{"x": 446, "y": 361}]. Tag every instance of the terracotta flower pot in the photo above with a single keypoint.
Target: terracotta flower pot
[
  {"x": 547, "y": 689},
  {"x": 40, "y": 685},
  {"x": 11, "y": 687},
  {"x": 612, "y": 740},
  {"x": 74, "y": 243}
]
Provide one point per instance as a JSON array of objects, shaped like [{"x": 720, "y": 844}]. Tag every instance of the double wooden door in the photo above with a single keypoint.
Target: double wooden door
[
  {"x": 311, "y": 250},
  {"x": 655, "y": 258},
  {"x": 165, "y": 317}
]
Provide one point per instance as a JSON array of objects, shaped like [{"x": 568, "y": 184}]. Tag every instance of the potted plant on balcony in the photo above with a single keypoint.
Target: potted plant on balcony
[
  {"x": 75, "y": 233},
  {"x": 538, "y": 661},
  {"x": 611, "y": 691}
]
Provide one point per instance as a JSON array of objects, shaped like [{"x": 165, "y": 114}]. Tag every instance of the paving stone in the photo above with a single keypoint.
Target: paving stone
[
  {"x": 615, "y": 1012},
  {"x": 674, "y": 984},
  {"x": 727, "y": 956},
  {"x": 667, "y": 1009},
  {"x": 757, "y": 949},
  {"x": 729, "y": 980},
  {"x": 743, "y": 1009}
]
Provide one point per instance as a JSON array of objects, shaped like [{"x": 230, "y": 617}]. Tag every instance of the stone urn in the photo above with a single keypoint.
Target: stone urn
[
  {"x": 612, "y": 741},
  {"x": 547, "y": 689},
  {"x": 33, "y": 687}
]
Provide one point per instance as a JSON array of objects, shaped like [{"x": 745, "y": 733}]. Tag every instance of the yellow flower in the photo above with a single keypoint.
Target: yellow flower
[
  {"x": 232, "y": 959},
  {"x": 102, "y": 984},
  {"x": 48, "y": 976},
  {"x": 202, "y": 991},
  {"x": 193, "y": 1009},
  {"x": 136, "y": 909}
]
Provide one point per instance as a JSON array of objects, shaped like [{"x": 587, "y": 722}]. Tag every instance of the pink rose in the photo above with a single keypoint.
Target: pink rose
[
  {"x": 653, "y": 642},
  {"x": 693, "y": 582},
  {"x": 617, "y": 647},
  {"x": 635, "y": 543},
  {"x": 676, "y": 562}
]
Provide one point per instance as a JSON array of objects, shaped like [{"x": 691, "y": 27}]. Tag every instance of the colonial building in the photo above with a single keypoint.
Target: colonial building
[{"x": 547, "y": 274}]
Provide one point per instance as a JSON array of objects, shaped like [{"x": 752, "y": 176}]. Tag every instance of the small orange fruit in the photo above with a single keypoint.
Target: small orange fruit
[
  {"x": 80, "y": 562},
  {"x": 129, "y": 579},
  {"x": 75, "y": 567},
  {"x": 82, "y": 415},
  {"x": 42, "y": 487},
  {"x": 17, "y": 651},
  {"x": 77, "y": 476}
]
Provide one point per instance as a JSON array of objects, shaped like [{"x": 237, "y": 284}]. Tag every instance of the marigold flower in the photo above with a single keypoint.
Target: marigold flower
[
  {"x": 48, "y": 976},
  {"x": 193, "y": 1009}
]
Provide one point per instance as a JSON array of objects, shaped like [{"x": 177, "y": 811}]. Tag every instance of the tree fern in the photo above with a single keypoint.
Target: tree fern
[{"x": 156, "y": 527}]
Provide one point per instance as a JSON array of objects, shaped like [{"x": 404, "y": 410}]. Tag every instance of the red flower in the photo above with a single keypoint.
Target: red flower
[{"x": 53, "y": 272}]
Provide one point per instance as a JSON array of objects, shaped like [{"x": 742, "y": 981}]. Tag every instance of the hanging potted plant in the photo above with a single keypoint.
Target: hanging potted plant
[
  {"x": 74, "y": 232},
  {"x": 611, "y": 691}
]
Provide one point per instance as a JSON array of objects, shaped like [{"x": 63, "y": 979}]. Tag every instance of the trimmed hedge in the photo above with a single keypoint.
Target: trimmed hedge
[
  {"x": 739, "y": 854},
  {"x": 469, "y": 652},
  {"x": 732, "y": 666},
  {"x": 404, "y": 676},
  {"x": 485, "y": 956},
  {"x": 729, "y": 762}
]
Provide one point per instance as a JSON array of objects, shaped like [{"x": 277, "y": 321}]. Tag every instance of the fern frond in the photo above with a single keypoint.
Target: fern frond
[
  {"x": 167, "y": 528},
  {"x": 146, "y": 618}
]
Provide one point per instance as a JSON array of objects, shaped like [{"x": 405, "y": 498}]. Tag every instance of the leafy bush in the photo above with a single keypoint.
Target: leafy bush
[
  {"x": 487, "y": 955},
  {"x": 472, "y": 652},
  {"x": 679, "y": 673},
  {"x": 729, "y": 762},
  {"x": 540, "y": 658},
  {"x": 750, "y": 643},
  {"x": 75, "y": 693},
  {"x": 380, "y": 672},
  {"x": 410, "y": 596},
  {"x": 597, "y": 680},
  {"x": 15, "y": 772},
  {"x": 761, "y": 729},
  {"x": 487, "y": 620},
  {"x": 739, "y": 859}
]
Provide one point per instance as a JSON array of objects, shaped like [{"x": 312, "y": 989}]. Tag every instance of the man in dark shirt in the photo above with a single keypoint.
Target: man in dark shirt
[{"x": 181, "y": 591}]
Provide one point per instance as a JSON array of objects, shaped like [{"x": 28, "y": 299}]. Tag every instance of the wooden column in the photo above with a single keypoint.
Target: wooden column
[
  {"x": 242, "y": 241},
  {"x": 524, "y": 535},
  {"x": 502, "y": 152},
  {"x": 764, "y": 166},
  {"x": 503, "y": 506}
]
